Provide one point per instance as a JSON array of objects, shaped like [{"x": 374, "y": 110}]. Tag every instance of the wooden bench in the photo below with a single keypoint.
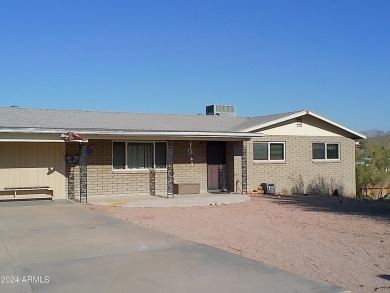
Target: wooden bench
[
  {"x": 186, "y": 188},
  {"x": 28, "y": 192}
]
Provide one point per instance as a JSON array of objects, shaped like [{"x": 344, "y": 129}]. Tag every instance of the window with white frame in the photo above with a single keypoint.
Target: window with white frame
[
  {"x": 269, "y": 151},
  {"x": 326, "y": 151},
  {"x": 139, "y": 155}
]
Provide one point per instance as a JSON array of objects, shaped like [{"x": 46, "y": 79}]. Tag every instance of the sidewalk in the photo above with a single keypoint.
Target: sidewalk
[{"x": 162, "y": 201}]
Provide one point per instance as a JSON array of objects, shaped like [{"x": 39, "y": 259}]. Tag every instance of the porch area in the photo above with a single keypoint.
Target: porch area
[{"x": 133, "y": 168}]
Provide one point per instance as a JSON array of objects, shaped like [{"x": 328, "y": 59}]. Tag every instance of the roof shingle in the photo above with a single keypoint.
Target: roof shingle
[{"x": 93, "y": 120}]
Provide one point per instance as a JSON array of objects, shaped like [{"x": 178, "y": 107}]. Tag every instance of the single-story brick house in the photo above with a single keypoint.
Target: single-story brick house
[{"x": 134, "y": 153}]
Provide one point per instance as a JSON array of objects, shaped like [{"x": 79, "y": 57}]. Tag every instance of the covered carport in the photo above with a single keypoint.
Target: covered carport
[{"x": 31, "y": 166}]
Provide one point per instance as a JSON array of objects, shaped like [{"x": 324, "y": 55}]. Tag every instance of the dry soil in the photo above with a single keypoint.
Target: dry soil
[{"x": 342, "y": 241}]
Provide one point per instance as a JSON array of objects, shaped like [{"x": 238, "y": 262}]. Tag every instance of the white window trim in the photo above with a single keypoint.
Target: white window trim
[
  {"x": 135, "y": 170},
  {"x": 326, "y": 153},
  {"x": 269, "y": 152}
]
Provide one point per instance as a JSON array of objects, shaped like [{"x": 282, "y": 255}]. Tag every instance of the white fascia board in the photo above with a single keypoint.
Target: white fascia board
[
  {"x": 276, "y": 121},
  {"x": 32, "y": 131},
  {"x": 357, "y": 134},
  {"x": 30, "y": 140},
  {"x": 7, "y": 135},
  {"x": 183, "y": 134},
  {"x": 177, "y": 135}
]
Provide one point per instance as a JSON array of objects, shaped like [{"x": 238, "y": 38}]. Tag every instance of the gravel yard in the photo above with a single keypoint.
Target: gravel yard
[{"x": 344, "y": 242}]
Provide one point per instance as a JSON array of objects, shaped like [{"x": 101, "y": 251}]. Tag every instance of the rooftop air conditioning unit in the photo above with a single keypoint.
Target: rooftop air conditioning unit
[{"x": 221, "y": 110}]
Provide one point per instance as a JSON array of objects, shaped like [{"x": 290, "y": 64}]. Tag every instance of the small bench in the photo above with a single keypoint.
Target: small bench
[
  {"x": 186, "y": 188},
  {"x": 31, "y": 192}
]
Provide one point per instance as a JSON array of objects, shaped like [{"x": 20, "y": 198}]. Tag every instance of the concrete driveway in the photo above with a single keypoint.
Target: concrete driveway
[{"x": 65, "y": 247}]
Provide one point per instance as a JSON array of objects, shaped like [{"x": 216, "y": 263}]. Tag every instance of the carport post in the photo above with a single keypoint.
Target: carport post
[
  {"x": 244, "y": 168},
  {"x": 170, "y": 169},
  {"x": 83, "y": 171}
]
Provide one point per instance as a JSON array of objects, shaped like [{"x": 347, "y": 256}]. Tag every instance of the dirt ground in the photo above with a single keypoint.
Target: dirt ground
[{"x": 342, "y": 241}]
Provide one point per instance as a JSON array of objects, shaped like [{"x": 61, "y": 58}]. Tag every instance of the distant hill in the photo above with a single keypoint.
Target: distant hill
[
  {"x": 375, "y": 133},
  {"x": 383, "y": 140},
  {"x": 376, "y": 136}
]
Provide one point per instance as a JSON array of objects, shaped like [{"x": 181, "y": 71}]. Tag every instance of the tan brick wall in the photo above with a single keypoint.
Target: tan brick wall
[
  {"x": 234, "y": 166},
  {"x": 299, "y": 173},
  {"x": 183, "y": 171},
  {"x": 104, "y": 181}
]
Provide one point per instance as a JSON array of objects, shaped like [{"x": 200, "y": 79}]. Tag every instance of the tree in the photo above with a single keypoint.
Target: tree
[{"x": 373, "y": 168}]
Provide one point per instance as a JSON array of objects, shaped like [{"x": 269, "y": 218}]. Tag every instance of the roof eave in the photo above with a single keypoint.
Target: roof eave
[
  {"x": 356, "y": 135},
  {"x": 175, "y": 135},
  {"x": 147, "y": 134}
]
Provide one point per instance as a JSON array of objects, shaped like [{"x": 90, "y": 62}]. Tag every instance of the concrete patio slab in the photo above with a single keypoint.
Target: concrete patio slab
[
  {"x": 69, "y": 248},
  {"x": 178, "y": 200}
]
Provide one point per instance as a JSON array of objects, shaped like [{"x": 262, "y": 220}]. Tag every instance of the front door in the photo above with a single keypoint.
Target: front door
[{"x": 216, "y": 166}]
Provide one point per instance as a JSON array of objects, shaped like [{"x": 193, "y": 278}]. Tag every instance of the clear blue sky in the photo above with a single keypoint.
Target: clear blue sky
[{"x": 162, "y": 56}]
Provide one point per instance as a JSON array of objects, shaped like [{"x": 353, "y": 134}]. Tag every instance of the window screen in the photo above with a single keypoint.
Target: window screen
[
  {"x": 260, "y": 151},
  {"x": 119, "y": 155},
  {"x": 318, "y": 151},
  {"x": 161, "y": 154},
  {"x": 276, "y": 151},
  {"x": 332, "y": 151}
]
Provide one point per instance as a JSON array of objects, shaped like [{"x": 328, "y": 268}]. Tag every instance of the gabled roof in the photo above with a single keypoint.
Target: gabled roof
[
  {"x": 24, "y": 120},
  {"x": 259, "y": 123}
]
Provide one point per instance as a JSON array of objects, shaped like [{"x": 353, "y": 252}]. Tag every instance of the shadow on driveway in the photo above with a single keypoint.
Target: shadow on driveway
[{"x": 384, "y": 277}]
